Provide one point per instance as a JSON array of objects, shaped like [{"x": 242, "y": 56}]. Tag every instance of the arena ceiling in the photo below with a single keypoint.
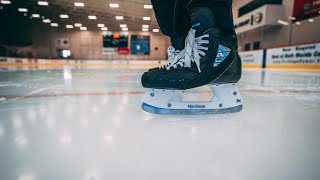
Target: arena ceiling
[{"x": 133, "y": 12}]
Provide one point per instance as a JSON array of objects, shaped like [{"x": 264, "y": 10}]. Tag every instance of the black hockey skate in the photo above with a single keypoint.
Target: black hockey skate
[
  {"x": 211, "y": 59},
  {"x": 208, "y": 59}
]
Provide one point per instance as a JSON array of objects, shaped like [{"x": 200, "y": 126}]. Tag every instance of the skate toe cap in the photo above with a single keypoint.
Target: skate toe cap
[{"x": 147, "y": 79}]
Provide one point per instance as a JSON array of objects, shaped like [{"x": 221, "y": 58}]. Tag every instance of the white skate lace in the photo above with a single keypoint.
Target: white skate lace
[
  {"x": 172, "y": 53},
  {"x": 192, "y": 52}
]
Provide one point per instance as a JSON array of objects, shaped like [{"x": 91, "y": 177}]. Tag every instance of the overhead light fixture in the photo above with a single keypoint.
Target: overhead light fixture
[
  {"x": 83, "y": 28},
  {"x": 79, "y": 4},
  {"x": 145, "y": 29},
  {"x": 298, "y": 23},
  {"x": 283, "y": 22},
  {"x": 123, "y": 25},
  {"x": 104, "y": 29},
  {"x": 101, "y": 25},
  {"x": 5, "y": 2},
  {"x": 54, "y": 24},
  {"x": 125, "y": 29},
  {"x": 155, "y": 30},
  {"x": 77, "y": 24},
  {"x": 145, "y": 26},
  {"x": 114, "y": 5},
  {"x": 92, "y": 17},
  {"x": 35, "y": 15},
  {"x": 311, "y": 20},
  {"x": 46, "y": 21},
  {"x": 147, "y": 18},
  {"x": 292, "y": 18},
  {"x": 64, "y": 16},
  {"x": 119, "y": 17},
  {"x": 148, "y": 6},
  {"x": 124, "y": 33},
  {"x": 69, "y": 26},
  {"x": 43, "y": 3},
  {"x": 22, "y": 10}
]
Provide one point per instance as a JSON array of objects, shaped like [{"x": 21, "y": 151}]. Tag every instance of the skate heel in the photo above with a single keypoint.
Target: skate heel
[{"x": 232, "y": 74}]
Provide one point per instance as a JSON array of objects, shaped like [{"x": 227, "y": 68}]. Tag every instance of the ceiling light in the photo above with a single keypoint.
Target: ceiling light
[
  {"x": 125, "y": 29},
  {"x": 77, "y": 24},
  {"x": 5, "y": 2},
  {"x": 101, "y": 25},
  {"x": 155, "y": 30},
  {"x": 298, "y": 23},
  {"x": 147, "y": 18},
  {"x": 92, "y": 17},
  {"x": 148, "y": 6},
  {"x": 22, "y": 10},
  {"x": 311, "y": 20},
  {"x": 64, "y": 16},
  {"x": 83, "y": 28},
  {"x": 145, "y": 29},
  {"x": 46, "y": 21},
  {"x": 292, "y": 18},
  {"x": 69, "y": 26},
  {"x": 119, "y": 17},
  {"x": 114, "y": 5},
  {"x": 79, "y": 4},
  {"x": 54, "y": 24},
  {"x": 145, "y": 26},
  {"x": 35, "y": 15},
  {"x": 43, "y": 3},
  {"x": 283, "y": 22},
  {"x": 123, "y": 25},
  {"x": 104, "y": 29}
]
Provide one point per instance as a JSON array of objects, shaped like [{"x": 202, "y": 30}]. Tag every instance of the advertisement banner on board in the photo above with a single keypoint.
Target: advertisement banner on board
[
  {"x": 108, "y": 51},
  {"x": 267, "y": 15},
  {"x": 123, "y": 51},
  {"x": 294, "y": 55},
  {"x": 305, "y": 9},
  {"x": 252, "y": 57}
]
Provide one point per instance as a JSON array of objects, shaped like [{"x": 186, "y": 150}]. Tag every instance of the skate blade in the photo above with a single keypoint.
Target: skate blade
[{"x": 155, "y": 110}]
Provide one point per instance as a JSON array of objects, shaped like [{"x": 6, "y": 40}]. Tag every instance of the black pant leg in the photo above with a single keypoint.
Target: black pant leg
[
  {"x": 222, "y": 10},
  {"x": 164, "y": 11},
  {"x": 165, "y": 14}
]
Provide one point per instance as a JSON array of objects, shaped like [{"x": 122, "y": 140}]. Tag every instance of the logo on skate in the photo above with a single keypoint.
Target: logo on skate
[
  {"x": 222, "y": 54},
  {"x": 198, "y": 106}
]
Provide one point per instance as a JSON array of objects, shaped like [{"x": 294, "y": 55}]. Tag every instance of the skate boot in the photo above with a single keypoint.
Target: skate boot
[{"x": 209, "y": 58}]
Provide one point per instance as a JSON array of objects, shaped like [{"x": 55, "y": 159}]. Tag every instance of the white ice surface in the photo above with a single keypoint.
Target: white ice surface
[{"x": 86, "y": 123}]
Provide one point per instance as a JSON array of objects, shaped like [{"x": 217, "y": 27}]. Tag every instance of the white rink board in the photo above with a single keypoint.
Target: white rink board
[
  {"x": 252, "y": 57},
  {"x": 294, "y": 55}
]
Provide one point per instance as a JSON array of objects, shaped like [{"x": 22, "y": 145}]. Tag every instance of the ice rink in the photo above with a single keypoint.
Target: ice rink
[{"x": 86, "y": 123}]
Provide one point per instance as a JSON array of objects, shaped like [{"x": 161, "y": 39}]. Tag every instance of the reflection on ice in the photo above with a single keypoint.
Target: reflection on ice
[
  {"x": 108, "y": 139},
  {"x": 27, "y": 176},
  {"x": 66, "y": 139},
  {"x": 21, "y": 140},
  {"x": 2, "y": 131}
]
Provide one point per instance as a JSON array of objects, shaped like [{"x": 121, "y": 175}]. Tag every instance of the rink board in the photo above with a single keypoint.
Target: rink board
[{"x": 305, "y": 56}]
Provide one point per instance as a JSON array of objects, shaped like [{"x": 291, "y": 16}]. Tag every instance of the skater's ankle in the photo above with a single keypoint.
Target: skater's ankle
[{"x": 202, "y": 19}]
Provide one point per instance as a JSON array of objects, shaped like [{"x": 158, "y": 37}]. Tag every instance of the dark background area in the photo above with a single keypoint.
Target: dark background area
[{"x": 16, "y": 29}]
